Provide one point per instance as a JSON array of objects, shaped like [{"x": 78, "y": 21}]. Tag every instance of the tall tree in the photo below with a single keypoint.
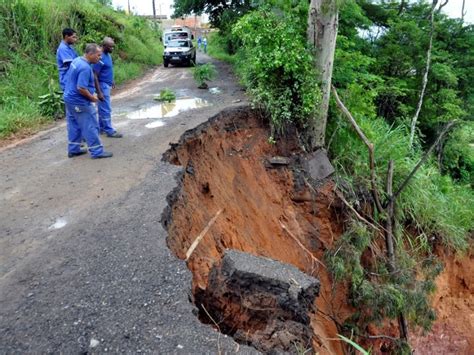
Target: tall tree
[
  {"x": 427, "y": 69},
  {"x": 322, "y": 31}
]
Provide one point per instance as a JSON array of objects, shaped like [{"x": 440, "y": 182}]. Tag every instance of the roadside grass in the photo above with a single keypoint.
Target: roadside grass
[
  {"x": 30, "y": 32},
  {"x": 14, "y": 120},
  {"x": 216, "y": 48},
  {"x": 432, "y": 204}
]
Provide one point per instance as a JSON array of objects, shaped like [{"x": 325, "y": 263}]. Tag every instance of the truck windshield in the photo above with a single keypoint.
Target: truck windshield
[{"x": 178, "y": 44}]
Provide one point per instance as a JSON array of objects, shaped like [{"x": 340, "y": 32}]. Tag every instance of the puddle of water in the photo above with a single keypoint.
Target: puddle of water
[
  {"x": 155, "y": 124},
  {"x": 215, "y": 91},
  {"x": 60, "y": 223},
  {"x": 168, "y": 109}
]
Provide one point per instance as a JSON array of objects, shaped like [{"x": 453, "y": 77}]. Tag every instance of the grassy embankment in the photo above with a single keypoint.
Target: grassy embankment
[{"x": 30, "y": 31}]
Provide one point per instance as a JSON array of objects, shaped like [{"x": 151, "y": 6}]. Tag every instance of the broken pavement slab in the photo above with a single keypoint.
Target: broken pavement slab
[{"x": 260, "y": 301}]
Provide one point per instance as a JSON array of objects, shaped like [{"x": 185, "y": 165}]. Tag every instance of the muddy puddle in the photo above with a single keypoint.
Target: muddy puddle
[
  {"x": 168, "y": 109},
  {"x": 155, "y": 124},
  {"x": 215, "y": 91},
  {"x": 230, "y": 197},
  {"x": 58, "y": 224}
]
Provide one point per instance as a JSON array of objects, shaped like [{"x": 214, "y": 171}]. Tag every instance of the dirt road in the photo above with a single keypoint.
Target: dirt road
[{"x": 83, "y": 261}]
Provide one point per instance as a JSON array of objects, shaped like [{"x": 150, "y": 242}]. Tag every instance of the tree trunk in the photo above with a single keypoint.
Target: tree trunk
[
  {"x": 463, "y": 13},
  {"x": 425, "y": 75},
  {"x": 322, "y": 32}
]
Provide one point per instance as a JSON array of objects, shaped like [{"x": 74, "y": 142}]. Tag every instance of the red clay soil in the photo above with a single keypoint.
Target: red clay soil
[
  {"x": 266, "y": 214},
  {"x": 228, "y": 169},
  {"x": 453, "y": 330}
]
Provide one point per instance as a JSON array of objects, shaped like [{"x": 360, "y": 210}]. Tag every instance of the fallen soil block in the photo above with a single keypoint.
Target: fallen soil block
[{"x": 261, "y": 302}]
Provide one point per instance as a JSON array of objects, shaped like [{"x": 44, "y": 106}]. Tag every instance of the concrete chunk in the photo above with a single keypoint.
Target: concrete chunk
[
  {"x": 261, "y": 301},
  {"x": 318, "y": 165}
]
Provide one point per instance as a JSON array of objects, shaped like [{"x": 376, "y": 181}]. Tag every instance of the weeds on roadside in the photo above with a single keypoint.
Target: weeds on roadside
[
  {"x": 203, "y": 73},
  {"x": 52, "y": 103},
  {"x": 166, "y": 95}
]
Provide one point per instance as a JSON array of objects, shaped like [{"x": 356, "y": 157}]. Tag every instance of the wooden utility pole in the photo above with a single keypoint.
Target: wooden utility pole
[
  {"x": 154, "y": 11},
  {"x": 129, "y": 12}
]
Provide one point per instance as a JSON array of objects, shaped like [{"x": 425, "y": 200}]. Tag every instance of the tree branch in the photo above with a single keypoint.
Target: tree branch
[
  {"x": 425, "y": 75},
  {"x": 369, "y": 145}
]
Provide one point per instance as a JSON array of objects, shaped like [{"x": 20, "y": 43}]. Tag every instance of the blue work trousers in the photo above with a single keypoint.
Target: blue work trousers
[
  {"x": 105, "y": 110},
  {"x": 83, "y": 123}
]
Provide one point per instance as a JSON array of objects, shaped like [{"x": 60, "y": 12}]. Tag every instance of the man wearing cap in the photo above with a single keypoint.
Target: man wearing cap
[
  {"x": 104, "y": 82},
  {"x": 79, "y": 96}
]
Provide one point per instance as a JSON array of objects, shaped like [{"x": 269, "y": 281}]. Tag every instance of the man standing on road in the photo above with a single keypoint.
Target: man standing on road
[
  {"x": 204, "y": 43},
  {"x": 65, "y": 54},
  {"x": 199, "y": 42},
  {"x": 104, "y": 82},
  {"x": 79, "y": 96}
]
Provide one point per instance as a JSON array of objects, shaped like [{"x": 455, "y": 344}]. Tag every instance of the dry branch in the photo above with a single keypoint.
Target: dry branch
[
  {"x": 389, "y": 242},
  {"x": 218, "y": 328},
  {"x": 201, "y": 235},
  {"x": 341, "y": 196},
  {"x": 369, "y": 145},
  {"x": 301, "y": 245}
]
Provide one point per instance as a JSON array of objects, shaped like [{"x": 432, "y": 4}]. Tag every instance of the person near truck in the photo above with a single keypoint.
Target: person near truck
[
  {"x": 79, "y": 96},
  {"x": 104, "y": 80},
  {"x": 199, "y": 42}
]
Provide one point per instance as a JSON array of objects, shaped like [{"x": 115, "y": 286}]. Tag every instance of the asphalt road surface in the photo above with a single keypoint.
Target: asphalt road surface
[{"x": 84, "y": 266}]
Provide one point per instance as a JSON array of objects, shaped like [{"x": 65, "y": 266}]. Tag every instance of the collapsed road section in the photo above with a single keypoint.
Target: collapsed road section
[
  {"x": 237, "y": 191},
  {"x": 253, "y": 220}
]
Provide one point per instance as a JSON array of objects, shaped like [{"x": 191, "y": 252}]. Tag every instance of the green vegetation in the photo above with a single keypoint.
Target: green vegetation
[
  {"x": 203, "y": 73},
  {"x": 354, "y": 345},
  {"x": 30, "y": 32},
  {"x": 166, "y": 95},
  {"x": 278, "y": 67},
  {"x": 378, "y": 69},
  {"x": 217, "y": 48}
]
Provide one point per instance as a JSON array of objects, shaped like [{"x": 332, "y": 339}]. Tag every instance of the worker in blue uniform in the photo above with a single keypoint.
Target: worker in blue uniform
[
  {"x": 65, "y": 54},
  {"x": 79, "y": 96},
  {"x": 104, "y": 82}
]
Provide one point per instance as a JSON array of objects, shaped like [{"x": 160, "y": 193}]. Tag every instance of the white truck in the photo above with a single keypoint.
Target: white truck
[{"x": 177, "y": 32}]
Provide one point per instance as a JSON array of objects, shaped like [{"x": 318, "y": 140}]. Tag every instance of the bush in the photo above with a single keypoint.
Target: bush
[
  {"x": 166, "y": 95},
  {"x": 203, "y": 73},
  {"x": 277, "y": 67},
  {"x": 458, "y": 154}
]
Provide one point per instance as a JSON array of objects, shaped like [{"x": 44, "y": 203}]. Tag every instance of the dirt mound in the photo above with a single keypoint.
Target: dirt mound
[{"x": 232, "y": 197}]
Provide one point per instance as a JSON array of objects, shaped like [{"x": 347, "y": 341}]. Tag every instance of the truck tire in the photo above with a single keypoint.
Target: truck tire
[{"x": 165, "y": 63}]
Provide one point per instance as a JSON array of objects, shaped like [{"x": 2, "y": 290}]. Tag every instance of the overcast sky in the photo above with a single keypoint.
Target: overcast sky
[{"x": 144, "y": 7}]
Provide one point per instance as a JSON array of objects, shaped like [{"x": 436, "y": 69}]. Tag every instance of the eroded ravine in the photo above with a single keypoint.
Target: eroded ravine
[{"x": 264, "y": 210}]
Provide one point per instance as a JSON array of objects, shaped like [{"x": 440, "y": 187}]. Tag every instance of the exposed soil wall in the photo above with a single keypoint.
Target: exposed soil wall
[
  {"x": 453, "y": 330},
  {"x": 226, "y": 168},
  {"x": 270, "y": 211}
]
